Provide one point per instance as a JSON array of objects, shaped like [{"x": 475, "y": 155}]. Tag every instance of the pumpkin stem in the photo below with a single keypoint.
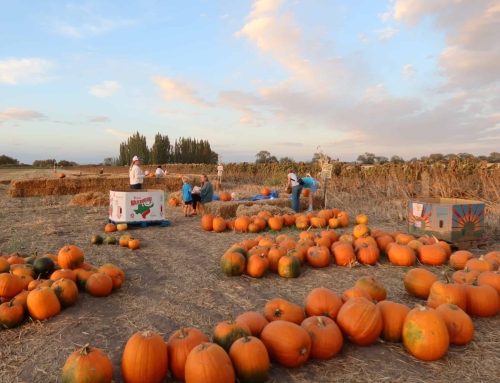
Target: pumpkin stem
[
  {"x": 446, "y": 277},
  {"x": 245, "y": 338},
  {"x": 183, "y": 334},
  {"x": 231, "y": 320},
  {"x": 277, "y": 313},
  {"x": 303, "y": 350},
  {"x": 321, "y": 322},
  {"x": 11, "y": 302},
  {"x": 85, "y": 349},
  {"x": 146, "y": 334}
]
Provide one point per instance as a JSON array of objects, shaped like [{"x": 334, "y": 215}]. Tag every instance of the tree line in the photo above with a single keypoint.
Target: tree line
[{"x": 372, "y": 159}]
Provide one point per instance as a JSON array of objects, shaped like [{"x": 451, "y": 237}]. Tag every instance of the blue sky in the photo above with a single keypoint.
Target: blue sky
[{"x": 393, "y": 77}]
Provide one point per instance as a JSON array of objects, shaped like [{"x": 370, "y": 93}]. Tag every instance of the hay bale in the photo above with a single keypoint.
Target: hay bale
[
  {"x": 90, "y": 199},
  {"x": 249, "y": 211}
]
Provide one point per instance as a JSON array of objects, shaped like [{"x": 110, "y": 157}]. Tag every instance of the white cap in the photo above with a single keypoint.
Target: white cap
[{"x": 136, "y": 158}]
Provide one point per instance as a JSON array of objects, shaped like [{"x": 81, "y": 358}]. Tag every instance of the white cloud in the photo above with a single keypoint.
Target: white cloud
[
  {"x": 108, "y": 88},
  {"x": 95, "y": 26},
  {"x": 262, "y": 7},
  {"x": 203, "y": 15},
  {"x": 408, "y": 70},
  {"x": 387, "y": 33},
  {"x": 363, "y": 38},
  {"x": 174, "y": 90},
  {"x": 24, "y": 71},
  {"x": 98, "y": 119},
  {"x": 385, "y": 16},
  {"x": 118, "y": 133},
  {"x": 223, "y": 17},
  {"x": 16, "y": 114}
]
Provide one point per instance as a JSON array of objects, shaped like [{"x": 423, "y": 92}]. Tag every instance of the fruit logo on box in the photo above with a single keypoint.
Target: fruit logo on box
[{"x": 142, "y": 206}]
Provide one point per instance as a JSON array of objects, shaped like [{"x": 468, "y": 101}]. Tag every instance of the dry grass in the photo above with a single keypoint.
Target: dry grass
[
  {"x": 249, "y": 211},
  {"x": 90, "y": 199},
  {"x": 174, "y": 280}
]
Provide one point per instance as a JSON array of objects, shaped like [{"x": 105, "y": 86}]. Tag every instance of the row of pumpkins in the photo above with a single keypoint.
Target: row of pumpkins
[
  {"x": 287, "y": 334},
  {"x": 39, "y": 286},
  {"x": 332, "y": 219}
]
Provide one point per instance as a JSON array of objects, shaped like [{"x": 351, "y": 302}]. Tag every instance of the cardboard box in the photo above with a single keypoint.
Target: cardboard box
[
  {"x": 449, "y": 219},
  {"x": 136, "y": 205}
]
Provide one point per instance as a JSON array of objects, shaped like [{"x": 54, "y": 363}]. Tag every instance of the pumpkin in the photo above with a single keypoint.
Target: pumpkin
[
  {"x": 287, "y": 245},
  {"x": 403, "y": 239},
  {"x": 209, "y": 363},
  {"x": 66, "y": 291},
  {"x": 255, "y": 322},
  {"x": 446, "y": 247},
  {"x": 16, "y": 259},
  {"x": 322, "y": 302},
  {"x": 63, "y": 273},
  {"x": 275, "y": 223},
  {"x": 207, "y": 222},
  {"x": 4, "y": 266},
  {"x": 367, "y": 254},
  {"x": 335, "y": 212},
  {"x": 418, "y": 282},
  {"x": 425, "y": 334},
  {"x": 415, "y": 244},
  {"x": 267, "y": 242},
  {"x": 393, "y": 317},
  {"x": 22, "y": 299},
  {"x": 180, "y": 345},
  {"x": 365, "y": 241},
  {"x": 373, "y": 287},
  {"x": 491, "y": 278},
  {"x": 491, "y": 256},
  {"x": 307, "y": 235},
  {"x": 360, "y": 321},
  {"x": 323, "y": 241},
  {"x": 44, "y": 266},
  {"x": 333, "y": 223},
  {"x": 124, "y": 239},
  {"x": 241, "y": 224},
  {"x": 330, "y": 234},
  {"x": 482, "y": 301},
  {"x": 401, "y": 255},
  {"x": 459, "y": 324},
  {"x": 134, "y": 244},
  {"x": 274, "y": 255},
  {"x": 11, "y": 314},
  {"x": 254, "y": 228},
  {"x": 26, "y": 269},
  {"x": 232, "y": 264},
  {"x": 459, "y": 258},
  {"x": 318, "y": 256},
  {"x": 121, "y": 227},
  {"x": 289, "y": 267},
  {"x": 238, "y": 248},
  {"x": 224, "y": 196},
  {"x": 305, "y": 192},
  {"x": 480, "y": 264},
  {"x": 173, "y": 202},
  {"x": 326, "y": 337},
  {"x": 250, "y": 360},
  {"x": 355, "y": 292},
  {"x": 300, "y": 251},
  {"x": 433, "y": 255},
  {"x": 62, "y": 175},
  {"x": 10, "y": 285},
  {"x": 99, "y": 285},
  {"x": 361, "y": 219},
  {"x": 302, "y": 223},
  {"x": 265, "y": 215},
  {"x": 447, "y": 292},
  {"x": 257, "y": 265},
  {"x": 225, "y": 333},
  {"x": 360, "y": 231},
  {"x": 145, "y": 358},
  {"x": 26, "y": 280},
  {"x": 464, "y": 276},
  {"x": 114, "y": 272},
  {"x": 110, "y": 228},
  {"x": 82, "y": 278},
  {"x": 287, "y": 343},
  {"x": 219, "y": 225},
  {"x": 344, "y": 255},
  {"x": 260, "y": 223},
  {"x": 70, "y": 257},
  {"x": 280, "y": 309},
  {"x": 288, "y": 220},
  {"x": 257, "y": 250},
  {"x": 89, "y": 364},
  {"x": 43, "y": 303},
  {"x": 265, "y": 192}
]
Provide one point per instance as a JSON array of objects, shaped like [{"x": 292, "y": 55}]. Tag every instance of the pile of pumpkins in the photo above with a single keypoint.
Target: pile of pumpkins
[
  {"x": 287, "y": 333},
  {"x": 39, "y": 286},
  {"x": 124, "y": 240},
  {"x": 332, "y": 219}
]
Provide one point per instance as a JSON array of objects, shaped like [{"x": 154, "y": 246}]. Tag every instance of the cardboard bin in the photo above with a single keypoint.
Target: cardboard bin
[
  {"x": 136, "y": 206},
  {"x": 448, "y": 219}
]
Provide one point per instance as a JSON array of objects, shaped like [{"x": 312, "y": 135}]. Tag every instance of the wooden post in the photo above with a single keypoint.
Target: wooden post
[{"x": 325, "y": 183}]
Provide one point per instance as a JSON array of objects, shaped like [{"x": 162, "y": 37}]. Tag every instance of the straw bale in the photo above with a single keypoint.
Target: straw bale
[
  {"x": 90, "y": 199},
  {"x": 249, "y": 211}
]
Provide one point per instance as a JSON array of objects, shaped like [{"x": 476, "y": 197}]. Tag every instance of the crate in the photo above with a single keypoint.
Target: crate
[{"x": 136, "y": 206}]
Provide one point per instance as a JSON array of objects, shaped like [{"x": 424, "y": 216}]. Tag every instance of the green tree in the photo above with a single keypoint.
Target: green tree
[
  {"x": 160, "y": 151},
  {"x": 397, "y": 160},
  {"x": 381, "y": 160},
  {"x": 366, "y": 158},
  {"x": 6, "y": 160},
  {"x": 264, "y": 157},
  {"x": 435, "y": 157},
  {"x": 286, "y": 160},
  {"x": 494, "y": 157}
]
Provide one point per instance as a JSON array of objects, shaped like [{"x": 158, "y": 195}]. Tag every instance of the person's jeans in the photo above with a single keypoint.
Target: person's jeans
[
  {"x": 296, "y": 191},
  {"x": 136, "y": 186},
  {"x": 196, "y": 199}
]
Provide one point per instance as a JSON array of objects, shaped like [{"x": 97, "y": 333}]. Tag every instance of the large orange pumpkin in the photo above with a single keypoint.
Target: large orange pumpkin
[
  {"x": 401, "y": 255},
  {"x": 209, "y": 363},
  {"x": 360, "y": 321},
  {"x": 10, "y": 285},
  {"x": 63, "y": 273},
  {"x": 459, "y": 259},
  {"x": 480, "y": 264},
  {"x": 287, "y": 343},
  {"x": 482, "y": 301},
  {"x": 318, "y": 256},
  {"x": 255, "y": 322},
  {"x": 145, "y": 358},
  {"x": 459, "y": 324},
  {"x": 257, "y": 265},
  {"x": 207, "y": 222},
  {"x": 393, "y": 317},
  {"x": 447, "y": 292},
  {"x": 70, "y": 257},
  {"x": 425, "y": 335},
  {"x": 219, "y": 225},
  {"x": 326, "y": 337},
  {"x": 241, "y": 224},
  {"x": 418, "y": 282},
  {"x": 66, "y": 291},
  {"x": 355, "y": 292},
  {"x": 280, "y": 309},
  {"x": 43, "y": 303},
  {"x": 344, "y": 255},
  {"x": 376, "y": 289},
  {"x": 99, "y": 285},
  {"x": 323, "y": 302},
  {"x": 367, "y": 254},
  {"x": 491, "y": 278},
  {"x": 433, "y": 255},
  {"x": 180, "y": 345},
  {"x": 89, "y": 364},
  {"x": 275, "y": 223},
  {"x": 250, "y": 360}
]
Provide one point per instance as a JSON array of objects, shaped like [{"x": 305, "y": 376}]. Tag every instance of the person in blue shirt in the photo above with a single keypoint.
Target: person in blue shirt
[
  {"x": 313, "y": 185},
  {"x": 187, "y": 199}
]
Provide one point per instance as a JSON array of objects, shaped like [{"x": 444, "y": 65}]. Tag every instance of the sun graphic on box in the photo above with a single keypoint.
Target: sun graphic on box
[{"x": 468, "y": 219}]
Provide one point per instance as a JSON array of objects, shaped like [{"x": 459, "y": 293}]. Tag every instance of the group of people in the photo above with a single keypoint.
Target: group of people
[{"x": 192, "y": 196}]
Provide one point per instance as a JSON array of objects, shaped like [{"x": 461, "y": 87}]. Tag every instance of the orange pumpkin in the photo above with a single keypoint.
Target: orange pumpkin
[
  {"x": 367, "y": 254},
  {"x": 464, "y": 276},
  {"x": 70, "y": 257},
  {"x": 114, "y": 272},
  {"x": 207, "y": 222},
  {"x": 209, "y": 363},
  {"x": 66, "y": 291},
  {"x": 225, "y": 196},
  {"x": 257, "y": 265},
  {"x": 373, "y": 287},
  {"x": 225, "y": 333},
  {"x": 344, "y": 255},
  {"x": 241, "y": 224},
  {"x": 459, "y": 324},
  {"x": 418, "y": 282},
  {"x": 480, "y": 264},
  {"x": 355, "y": 292},
  {"x": 180, "y": 345},
  {"x": 288, "y": 220},
  {"x": 482, "y": 301},
  {"x": 280, "y": 309},
  {"x": 318, "y": 256},
  {"x": 322, "y": 302},
  {"x": 89, "y": 364},
  {"x": 274, "y": 255},
  {"x": 99, "y": 285},
  {"x": 134, "y": 244},
  {"x": 110, "y": 227},
  {"x": 326, "y": 337},
  {"x": 459, "y": 259},
  {"x": 447, "y": 292},
  {"x": 250, "y": 360},
  {"x": 490, "y": 278},
  {"x": 43, "y": 303},
  {"x": 63, "y": 273},
  {"x": 265, "y": 192},
  {"x": 255, "y": 322},
  {"x": 275, "y": 223},
  {"x": 11, "y": 314},
  {"x": 433, "y": 255},
  {"x": 393, "y": 316},
  {"x": 10, "y": 285},
  {"x": 360, "y": 231},
  {"x": 219, "y": 225},
  {"x": 305, "y": 192},
  {"x": 401, "y": 255},
  {"x": 360, "y": 321}
]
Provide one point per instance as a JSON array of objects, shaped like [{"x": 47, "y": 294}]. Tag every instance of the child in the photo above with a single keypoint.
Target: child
[
  {"x": 186, "y": 197},
  {"x": 234, "y": 196}
]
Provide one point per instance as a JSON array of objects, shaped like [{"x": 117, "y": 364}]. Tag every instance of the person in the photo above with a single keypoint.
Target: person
[
  {"x": 207, "y": 190},
  {"x": 158, "y": 171},
  {"x": 166, "y": 170},
  {"x": 135, "y": 174},
  {"x": 195, "y": 195},
  {"x": 101, "y": 171},
  {"x": 293, "y": 182},
  {"x": 186, "y": 196},
  {"x": 234, "y": 196},
  {"x": 312, "y": 184}
]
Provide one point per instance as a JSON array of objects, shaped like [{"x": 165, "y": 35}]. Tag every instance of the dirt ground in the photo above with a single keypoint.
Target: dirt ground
[{"x": 174, "y": 281}]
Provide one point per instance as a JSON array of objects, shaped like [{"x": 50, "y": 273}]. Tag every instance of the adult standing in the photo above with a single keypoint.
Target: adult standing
[
  {"x": 293, "y": 182},
  {"x": 207, "y": 190},
  {"x": 312, "y": 184},
  {"x": 135, "y": 174}
]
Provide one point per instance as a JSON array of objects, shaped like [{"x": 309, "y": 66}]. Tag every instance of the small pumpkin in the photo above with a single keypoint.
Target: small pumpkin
[
  {"x": 82, "y": 278},
  {"x": 255, "y": 322},
  {"x": 250, "y": 360},
  {"x": 180, "y": 345},
  {"x": 418, "y": 282},
  {"x": 134, "y": 244},
  {"x": 43, "y": 303},
  {"x": 344, "y": 255},
  {"x": 114, "y": 272},
  {"x": 66, "y": 291},
  {"x": 322, "y": 302},
  {"x": 401, "y": 255},
  {"x": 447, "y": 292},
  {"x": 425, "y": 334},
  {"x": 360, "y": 230},
  {"x": 4, "y": 266},
  {"x": 280, "y": 309},
  {"x": 110, "y": 228},
  {"x": 11, "y": 314},
  {"x": 145, "y": 358},
  {"x": 99, "y": 285},
  {"x": 491, "y": 278},
  {"x": 376, "y": 289},
  {"x": 207, "y": 222},
  {"x": 121, "y": 227},
  {"x": 241, "y": 224},
  {"x": 367, "y": 254},
  {"x": 459, "y": 324},
  {"x": 209, "y": 363},
  {"x": 393, "y": 316},
  {"x": 124, "y": 239},
  {"x": 289, "y": 267},
  {"x": 224, "y": 196},
  {"x": 287, "y": 343},
  {"x": 464, "y": 276},
  {"x": 70, "y": 257},
  {"x": 257, "y": 265},
  {"x": 232, "y": 264},
  {"x": 459, "y": 259},
  {"x": 10, "y": 285},
  {"x": 326, "y": 337},
  {"x": 480, "y": 264},
  {"x": 26, "y": 269},
  {"x": 274, "y": 255},
  {"x": 219, "y": 224},
  {"x": 63, "y": 273},
  {"x": 318, "y": 256},
  {"x": 360, "y": 321},
  {"x": 361, "y": 219},
  {"x": 225, "y": 333},
  {"x": 89, "y": 364}
]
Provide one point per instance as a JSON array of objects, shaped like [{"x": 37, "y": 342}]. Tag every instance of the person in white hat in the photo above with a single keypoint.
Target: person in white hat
[{"x": 135, "y": 174}]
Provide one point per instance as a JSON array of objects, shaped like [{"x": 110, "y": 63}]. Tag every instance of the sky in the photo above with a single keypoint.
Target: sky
[{"x": 391, "y": 77}]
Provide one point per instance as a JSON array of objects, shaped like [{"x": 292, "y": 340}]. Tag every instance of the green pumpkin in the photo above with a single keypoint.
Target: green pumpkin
[
  {"x": 44, "y": 266},
  {"x": 110, "y": 241},
  {"x": 289, "y": 267},
  {"x": 237, "y": 249},
  {"x": 97, "y": 240},
  {"x": 233, "y": 264}
]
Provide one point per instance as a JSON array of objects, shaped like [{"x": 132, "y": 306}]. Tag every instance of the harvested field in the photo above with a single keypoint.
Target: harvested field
[
  {"x": 174, "y": 280},
  {"x": 90, "y": 199}
]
